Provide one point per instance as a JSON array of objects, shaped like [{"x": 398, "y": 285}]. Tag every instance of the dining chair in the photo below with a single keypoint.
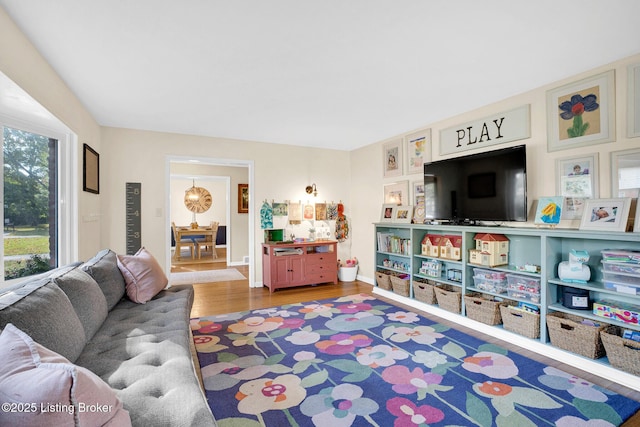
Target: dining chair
[
  {"x": 209, "y": 241},
  {"x": 183, "y": 242}
]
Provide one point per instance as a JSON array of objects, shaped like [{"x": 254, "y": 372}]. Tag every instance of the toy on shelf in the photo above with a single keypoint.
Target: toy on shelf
[
  {"x": 575, "y": 270},
  {"x": 491, "y": 250}
]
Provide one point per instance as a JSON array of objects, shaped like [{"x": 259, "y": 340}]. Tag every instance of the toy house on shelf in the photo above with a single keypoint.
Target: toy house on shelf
[
  {"x": 491, "y": 250},
  {"x": 451, "y": 247},
  {"x": 431, "y": 245}
]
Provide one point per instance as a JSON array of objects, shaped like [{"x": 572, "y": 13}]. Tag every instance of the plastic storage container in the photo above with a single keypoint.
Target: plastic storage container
[
  {"x": 490, "y": 280},
  {"x": 523, "y": 287}
]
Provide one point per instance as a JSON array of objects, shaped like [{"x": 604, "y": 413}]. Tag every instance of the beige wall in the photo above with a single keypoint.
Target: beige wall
[{"x": 366, "y": 163}]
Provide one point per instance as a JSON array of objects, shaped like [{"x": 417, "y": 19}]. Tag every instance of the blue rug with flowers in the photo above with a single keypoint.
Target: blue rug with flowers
[{"x": 358, "y": 361}]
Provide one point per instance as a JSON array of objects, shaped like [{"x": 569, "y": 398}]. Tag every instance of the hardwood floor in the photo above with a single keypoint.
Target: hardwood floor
[{"x": 232, "y": 296}]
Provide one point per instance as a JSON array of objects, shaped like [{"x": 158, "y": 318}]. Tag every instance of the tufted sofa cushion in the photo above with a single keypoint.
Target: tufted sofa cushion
[
  {"x": 43, "y": 311},
  {"x": 143, "y": 352}
]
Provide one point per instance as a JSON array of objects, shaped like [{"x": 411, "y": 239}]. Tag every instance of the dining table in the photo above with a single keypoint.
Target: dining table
[{"x": 201, "y": 232}]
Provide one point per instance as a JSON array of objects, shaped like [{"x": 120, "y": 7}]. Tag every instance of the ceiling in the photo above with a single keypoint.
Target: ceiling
[{"x": 334, "y": 73}]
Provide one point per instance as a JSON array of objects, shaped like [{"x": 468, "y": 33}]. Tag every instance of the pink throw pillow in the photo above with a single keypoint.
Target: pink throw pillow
[
  {"x": 39, "y": 387},
  {"x": 143, "y": 275}
]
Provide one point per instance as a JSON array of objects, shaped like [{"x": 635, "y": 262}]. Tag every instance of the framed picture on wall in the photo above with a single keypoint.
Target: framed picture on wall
[
  {"x": 581, "y": 113},
  {"x": 90, "y": 170},
  {"x": 397, "y": 192},
  {"x": 633, "y": 103},
  {"x": 243, "y": 198},
  {"x": 577, "y": 181},
  {"x": 418, "y": 150},
  {"x": 392, "y": 158},
  {"x": 606, "y": 214}
]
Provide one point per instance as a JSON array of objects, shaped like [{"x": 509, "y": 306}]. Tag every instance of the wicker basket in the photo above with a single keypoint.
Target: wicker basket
[
  {"x": 400, "y": 284},
  {"x": 482, "y": 309},
  {"x": 623, "y": 354},
  {"x": 449, "y": 298},
  {"x": 567, "y": 332},
  {"x": 383, "y": 280},
  {"x": 520, "y": 321},
  {"x": 424, "y": 292}
]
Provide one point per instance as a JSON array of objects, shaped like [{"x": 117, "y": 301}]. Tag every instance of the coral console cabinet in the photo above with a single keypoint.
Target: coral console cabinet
[{"x": 297, "y": 264}]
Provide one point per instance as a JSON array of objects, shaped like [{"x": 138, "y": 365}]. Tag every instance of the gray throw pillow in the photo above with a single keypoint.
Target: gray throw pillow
[{"x": 103, "y": 267}]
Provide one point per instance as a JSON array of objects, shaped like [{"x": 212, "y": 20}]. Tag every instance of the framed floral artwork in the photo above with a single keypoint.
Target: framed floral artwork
[
  {"x": 397, "y": 193},
  {"x": 392, "y": 158},
  {"x": 418, "y": 150},
  {"x": 581, "y": 113},
  {"x": 577, "y": 181}
]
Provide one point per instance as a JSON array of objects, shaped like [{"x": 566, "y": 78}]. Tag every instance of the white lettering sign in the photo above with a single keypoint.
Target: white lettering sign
[{"x": 497, "y": 129}]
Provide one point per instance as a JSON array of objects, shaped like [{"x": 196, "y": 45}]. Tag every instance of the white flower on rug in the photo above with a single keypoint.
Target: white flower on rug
[
  {"x": 303, "y": 337},
  {"x": 418, "y": 334},
  {"x": 430, "y": 359},
  {"x": 380, "y": 355},
  {"x": 403, "y": 317},
  {"x": 265, "y": 394},
  {"x": 493, "y": 365}
]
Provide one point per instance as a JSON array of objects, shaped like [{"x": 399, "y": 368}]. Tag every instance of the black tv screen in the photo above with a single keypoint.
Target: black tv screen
[{"x": 489, "y": 186}]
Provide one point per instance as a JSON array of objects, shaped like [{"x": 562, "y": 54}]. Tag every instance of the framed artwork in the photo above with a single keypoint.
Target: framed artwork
[
  {"x": 549, "y": 210},
  {"x": 636, "y": 219},
  {"x": 633, "y": 101},
  {"x": 243, "y": 198},
  {"x": 577, "y": 181},
  {"x": 396, "y": 192},
  {"x": 625, "y": 173},
  {"x": 90, "y": 170},
  {"x": 308, "y": 212},
  {"x": 403, "y": 214},
  {"x": 418, "y": 202},
  {"x": 418, "y": 150},
  {"x": 581, "y": 113},
  {"x": 387, "y": 212},
  {"x": 321, "y": 211},
  {"x": 295, "y": 213},
  {"x": 606, "y": 214},
  {"x": 392, "y": 158}
]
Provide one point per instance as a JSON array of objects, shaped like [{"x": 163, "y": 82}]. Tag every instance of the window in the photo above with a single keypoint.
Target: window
[{"x": 35, "y": 188}]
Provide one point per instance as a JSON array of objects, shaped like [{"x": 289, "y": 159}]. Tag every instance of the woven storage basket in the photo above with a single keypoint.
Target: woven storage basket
[
  {"x": 400, "y": 284},
  {"x": 482, "y": 309},
  {"x": 520, "y": 321},
  {"x": 567, "y": 332},
  {"x": 449, "y": 298},
  {"x": 424, "y": 292},
  {"x": 623, "y": 354},
  {"x": 383, "y": 280}
]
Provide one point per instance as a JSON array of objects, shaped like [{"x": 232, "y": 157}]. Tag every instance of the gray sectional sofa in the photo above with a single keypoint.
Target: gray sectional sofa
[{"x": 142, "y": 351}]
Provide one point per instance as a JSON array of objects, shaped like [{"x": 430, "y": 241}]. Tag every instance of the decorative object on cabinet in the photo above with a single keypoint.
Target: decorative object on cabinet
[
  {"x": 575, "y": 270},
  {"x": 90, "y": 170},
  {"x": 491, "y": 250},
  {"x": 396, "y": 192},
  {"x": 392, "y": 158},
  {"x": 418, "y": 202},
  {"x": 243, "y": 198},
  {"x": 576, "y": 334},
  {"x": 418, "y": 150},
  {"x": 387, "y": 212},
  {"x": 549, "y": 211},
  {"x": 577, "y": 180},
  {"x": 624, "y": 173},
  {"x": 451, "y": 247},
  {"x": 403, "y": 214},
  {"x": 633, "y": 101},
  {"x": 581, "y": 113},
  {"x": 606, "y": 214}
]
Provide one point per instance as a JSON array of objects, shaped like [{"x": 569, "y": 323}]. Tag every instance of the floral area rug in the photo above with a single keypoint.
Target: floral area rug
[{"x": 358, "y": 361}]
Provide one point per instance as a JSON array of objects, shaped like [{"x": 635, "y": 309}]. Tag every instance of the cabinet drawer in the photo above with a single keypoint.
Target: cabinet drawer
[
  {"x": 319, "y": 268},
  {"x": 318, "y": 277},
  {"x": 320, "y": 259}
]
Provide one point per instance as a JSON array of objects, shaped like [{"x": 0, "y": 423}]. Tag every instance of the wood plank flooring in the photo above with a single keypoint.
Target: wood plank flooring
[{"x": 233, "y": 296}]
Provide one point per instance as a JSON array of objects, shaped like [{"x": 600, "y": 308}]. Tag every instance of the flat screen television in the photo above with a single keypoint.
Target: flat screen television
[{"x": 489, "y": 186}]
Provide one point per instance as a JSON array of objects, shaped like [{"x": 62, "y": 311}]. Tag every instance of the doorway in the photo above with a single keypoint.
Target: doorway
[{"x": 221, "y": 177}]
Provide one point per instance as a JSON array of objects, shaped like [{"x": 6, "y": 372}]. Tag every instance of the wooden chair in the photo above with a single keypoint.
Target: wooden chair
[
  {"x": 210, "y": 240},
  {"x": 183, "y": 242}
]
